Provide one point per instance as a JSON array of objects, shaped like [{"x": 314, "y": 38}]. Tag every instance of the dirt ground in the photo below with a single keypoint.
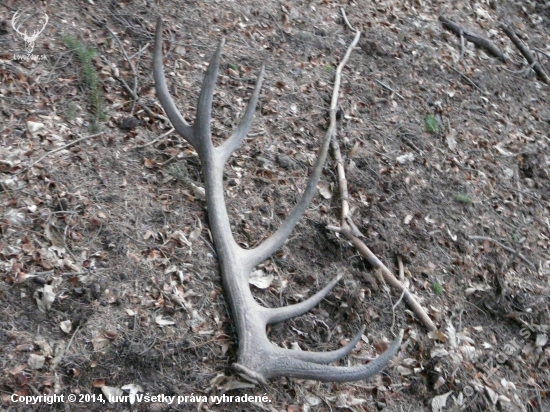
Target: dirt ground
[{"x": 108, "y": 274}]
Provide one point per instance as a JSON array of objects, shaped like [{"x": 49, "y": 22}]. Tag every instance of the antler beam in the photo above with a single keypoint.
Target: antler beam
[{"x": 257, "y": 357}]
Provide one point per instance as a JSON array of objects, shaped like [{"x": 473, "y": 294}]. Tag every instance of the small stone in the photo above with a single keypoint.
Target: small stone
[
  {"x": 285, "y": 161},
  {"x": 129, "y": 123}
]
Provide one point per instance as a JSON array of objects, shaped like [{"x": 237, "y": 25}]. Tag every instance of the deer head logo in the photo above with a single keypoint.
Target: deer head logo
[{"x": 29, "y": 39}]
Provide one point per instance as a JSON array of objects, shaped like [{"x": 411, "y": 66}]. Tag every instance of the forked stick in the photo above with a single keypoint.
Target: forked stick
[
  {"x": 349, "y": 230},
  {"x": 257, "y": 358}
]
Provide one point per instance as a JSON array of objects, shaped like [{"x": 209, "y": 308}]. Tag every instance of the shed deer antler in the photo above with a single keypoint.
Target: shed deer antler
[{"x": 257, "y": 357}]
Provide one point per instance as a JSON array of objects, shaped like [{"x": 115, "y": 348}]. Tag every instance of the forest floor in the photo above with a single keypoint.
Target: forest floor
[{"x": 109, "y": 282}]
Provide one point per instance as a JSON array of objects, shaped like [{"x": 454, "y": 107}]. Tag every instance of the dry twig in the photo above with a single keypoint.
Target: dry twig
[
  {"x": 152, "y": 142},
  {"x": 385, "y": 86},
  {"x": 346, "y": 20},
  {"x": 61, "y": 148},
  {"x": 509, "y": 249},
  {"x": 467, "y": 79},
  {"x": 472, "y": 37},
  {"x": 526, "y": 53},
  {"x": 348, "y": 231},
  {"x": 134, "y": 95}
]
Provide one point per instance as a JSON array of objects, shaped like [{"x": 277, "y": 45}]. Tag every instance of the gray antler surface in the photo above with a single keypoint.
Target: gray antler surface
[{"x": 257, "y": 357}]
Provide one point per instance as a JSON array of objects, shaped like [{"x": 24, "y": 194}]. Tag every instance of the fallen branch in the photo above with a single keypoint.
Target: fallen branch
[
  {"x": 526, "y": 53},
  {"x": 348, "y": 230},
  {"x": 508, "y": 249},
  {"x": 472, "y": 37}
]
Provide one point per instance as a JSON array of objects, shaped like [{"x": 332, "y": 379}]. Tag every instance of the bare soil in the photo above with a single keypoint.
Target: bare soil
[{"x": 440, "y": 145}]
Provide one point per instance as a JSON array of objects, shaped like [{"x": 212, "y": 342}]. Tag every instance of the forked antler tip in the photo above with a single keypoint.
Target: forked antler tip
[{"x": 300, "y": 365}]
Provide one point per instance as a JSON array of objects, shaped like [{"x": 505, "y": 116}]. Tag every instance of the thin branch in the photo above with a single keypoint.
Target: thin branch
[
  {"x": 472, "y": 37},
  {"x": 462, "y": 48},
  {"x": 346, "y": 20},
  {"x": 522, "y": 71},
  {"x": 346, "y": 230},
  {"x": 134, "y": 96},
  {"x": 542, "y": 52},
  {"x": 401, "y": 269},
  {"x": 70, "y": 341},
  {"x": 385, "y": 86},
  {"x": 467, "y": 79},
  {"x": 140, "y": 50},
  {"x": 162, "y": 136},
  {"x": 61, "y": 148},
  {"x": 526, "y": 53},
  {"x": 390, "y": 278},
  {"x": 508, "y": 249},
  {"x": 132, "y": 66}
]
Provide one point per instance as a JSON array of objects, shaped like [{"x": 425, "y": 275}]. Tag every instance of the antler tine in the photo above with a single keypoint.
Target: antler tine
[
  {"x": 326, "y": 357},
  {"x": 276, "y": 315},
  {"x": 270, "y": 245},
  {"x": 204, "y": 105},
  {"x": 179, "y": 123},
  {"x": 233, "y": 143}
]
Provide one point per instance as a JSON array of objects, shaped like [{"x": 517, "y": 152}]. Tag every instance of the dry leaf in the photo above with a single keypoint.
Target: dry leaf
[
  {"x": 44, "y": 346},
  {"x": 502, "y": 151},
  {"x": 408, "y": 157},
  {"x": 98, "y": 383},
  {"x": 403, "y": 371},
  {"x": 439, "y": 383},
  {"x": 324, "y": 190},
  {"x": 110, "y": 334},
  {"x": 36, "y": 361},
  {"x": 260, "y": 280},
  {"x": 48, "y": 296},
  {"x": 34, "y": 126},
  {"x": 66, "y": 326},
  {"x": 451, "y": 334},
  {"x": 438, "y": 352},
  {"x": 25, "y": 347},
  {"x": 149, "y": 234},
  {"x": 109, "y": 391},
  {"x": 438, "y": 402},
  {"x": 437, "y": 334},
  {"x": 463, "y": 337},
  {"x": 99, "y": 342},
  {"x": 164, "y": 322},
  {"x": 195, "y": 234},
  {"x": 541, "y": 340},
  {"x": 179, "y": 235},
  {"x": 451, "y": 139},
  {"x": 492, "y": 395}
]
